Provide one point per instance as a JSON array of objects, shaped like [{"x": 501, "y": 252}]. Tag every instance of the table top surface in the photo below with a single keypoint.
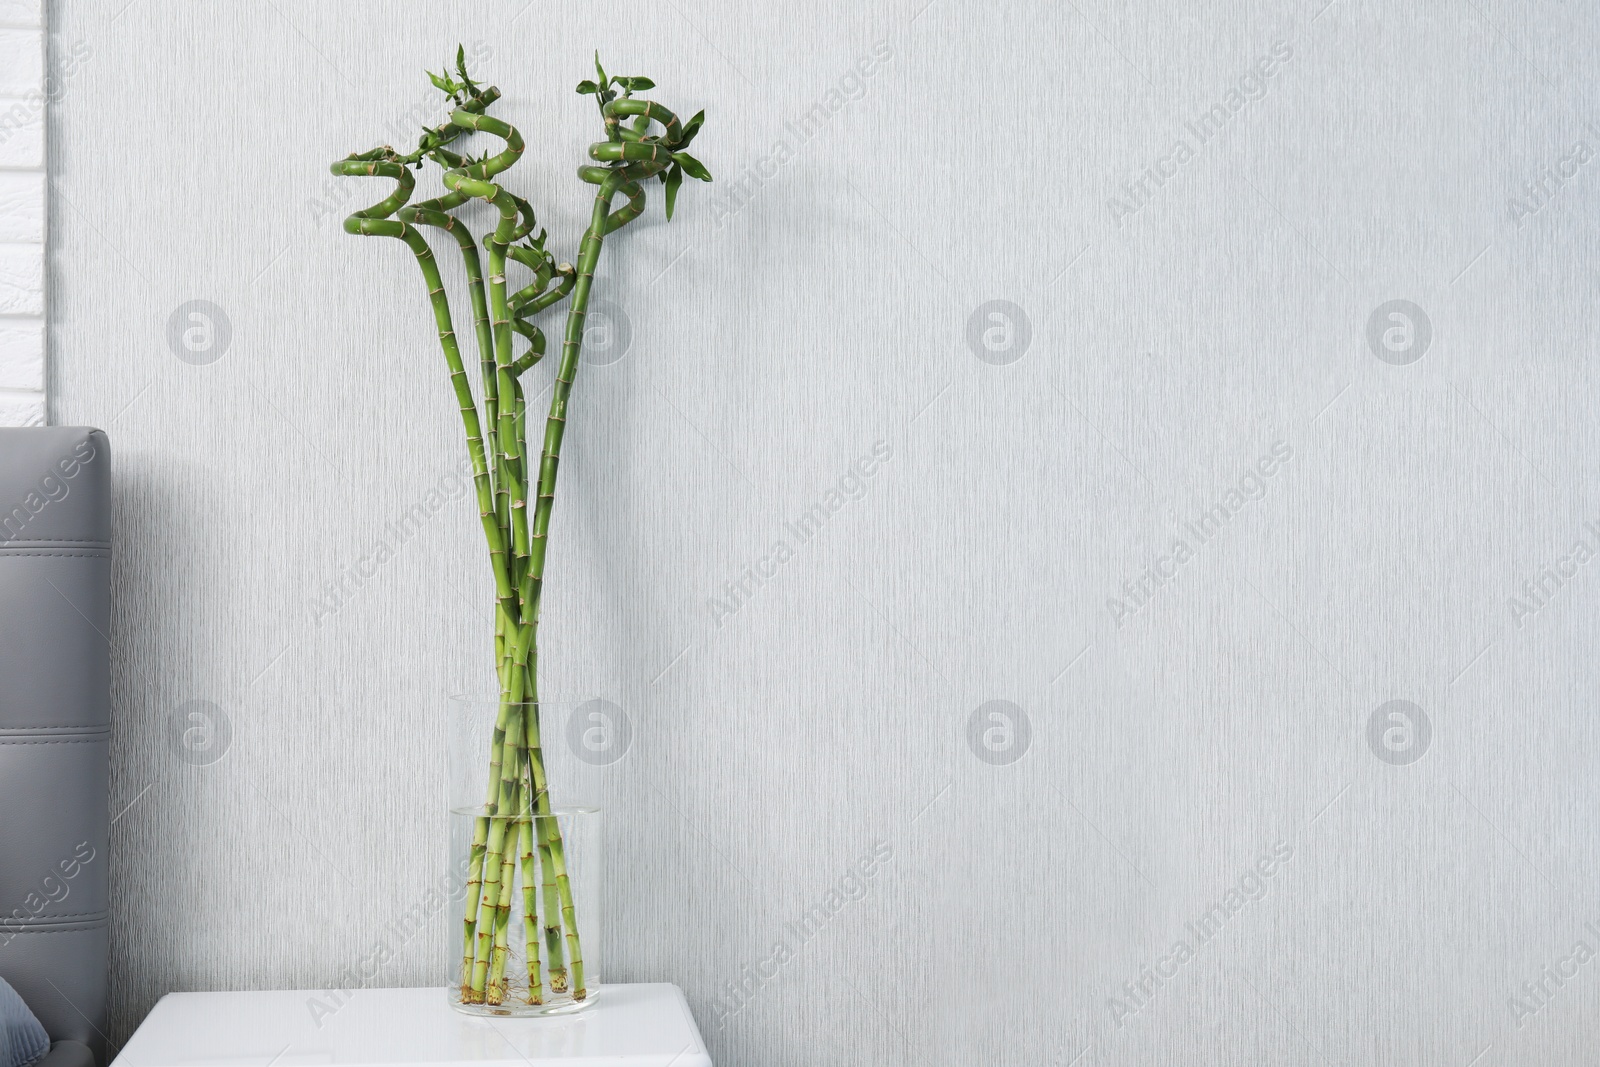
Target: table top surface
[{"x": 629, "y": 1026}]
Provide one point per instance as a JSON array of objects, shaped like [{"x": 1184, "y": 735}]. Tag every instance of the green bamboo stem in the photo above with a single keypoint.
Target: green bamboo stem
[
  {"x": 495, "y": 990},
  {"x": 522, "y": 677},
  {"x": 428, "y": 215},
  {"x": 552, "y": 859},
  {"x": 474, "y": 885},
  {"x": 517, "y": 819},
  {"x": 547, "y": 833},
  {"x": 513, "y": 808},
  {"x": 367, "y": 225},
  {"x": 672, "y": 130},
  {"x": 552, "y": 905},
  {"x": 472, "y": 181},
  {"x": 602, "y": 222},
  {"x": 479, "y": 855},
  {"x": 557, "y": 887},
  {"x": 501, "y": 816},
  {"x": 569, "y": 916},
  {"x": 477, "y": 858},
  {"x": 501, "y": 804},
  {"x": 374, "y": 221},
  {"x": 498, "y": 986},
  {"x": 530, "y": 913}
]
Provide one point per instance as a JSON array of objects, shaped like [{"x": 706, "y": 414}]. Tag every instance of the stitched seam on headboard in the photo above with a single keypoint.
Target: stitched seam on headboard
[
  {"x": 54, "y": 731},
  {"x": 42, "y": 540},
  {"x": 23, "y": 924},
  {"x": 102, "y": 554},
  {"x": 82, "y": 728},
  {"x": 56, "y": 741}
]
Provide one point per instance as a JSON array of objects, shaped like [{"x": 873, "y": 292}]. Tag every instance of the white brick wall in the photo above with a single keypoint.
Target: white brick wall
[{"x": 22, "y": 212}]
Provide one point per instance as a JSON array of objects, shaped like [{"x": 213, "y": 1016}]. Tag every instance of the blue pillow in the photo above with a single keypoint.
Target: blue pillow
[{"x": 23, "y": 1041}]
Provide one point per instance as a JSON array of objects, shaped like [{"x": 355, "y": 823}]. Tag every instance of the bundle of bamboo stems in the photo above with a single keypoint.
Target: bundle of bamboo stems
[{"x": 517, "y": 840}]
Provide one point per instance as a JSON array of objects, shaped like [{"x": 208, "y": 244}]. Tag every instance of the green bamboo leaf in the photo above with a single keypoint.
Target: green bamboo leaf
[
  {"x": 691, "y": 128},
  {"x": 441, "y": 83},
  {"x": 599, "y": 69},
  {"x": 587, "y": 86},
  {"x": 692, "y": 166},
  {"x": 673, "y": 179},
  {"x": 636, "y": 84},
  {"x": 461, "y": 68}
]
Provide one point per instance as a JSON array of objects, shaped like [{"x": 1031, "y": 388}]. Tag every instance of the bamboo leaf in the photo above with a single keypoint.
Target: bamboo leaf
[
  {"x": 691, "y": 128},
  {"x": 673, "y": 179},
  {"x": 599, "y": 69},
  {"x": 441, "y": 83},
  {"x": 636, "y": 84},
  {"x": 461, "y": 68},
  {"x": 692, "y": 166},
  {"x": 586, "y": 86}
]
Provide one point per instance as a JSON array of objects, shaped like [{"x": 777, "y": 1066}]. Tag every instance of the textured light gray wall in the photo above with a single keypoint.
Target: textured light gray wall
[{"x": 1199, "y": 218}]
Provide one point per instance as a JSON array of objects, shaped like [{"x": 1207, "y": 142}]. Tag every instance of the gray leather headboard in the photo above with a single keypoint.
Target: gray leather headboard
[{"x": 55, "y": 725}]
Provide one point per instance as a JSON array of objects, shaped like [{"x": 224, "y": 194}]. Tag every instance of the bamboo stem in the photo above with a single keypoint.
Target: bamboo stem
[
  {"x": 517, "y": 819},
  {"x": 495, "y": 991},
  {"x": 530, "y": 913}
]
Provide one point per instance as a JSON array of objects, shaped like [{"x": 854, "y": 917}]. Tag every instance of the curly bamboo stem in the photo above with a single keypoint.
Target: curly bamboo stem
[{"x": 517, "y": 820}]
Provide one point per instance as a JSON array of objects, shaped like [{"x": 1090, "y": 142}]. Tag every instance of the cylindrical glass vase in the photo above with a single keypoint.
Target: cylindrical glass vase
[{"x": 523, "y": 933}]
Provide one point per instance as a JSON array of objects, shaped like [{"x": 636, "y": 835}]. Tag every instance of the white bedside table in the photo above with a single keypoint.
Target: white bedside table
[{"x": 630, "y": 1026}]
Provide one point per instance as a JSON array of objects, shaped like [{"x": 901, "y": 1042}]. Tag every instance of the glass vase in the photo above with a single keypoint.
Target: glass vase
[{"x": 522, "y": 936}]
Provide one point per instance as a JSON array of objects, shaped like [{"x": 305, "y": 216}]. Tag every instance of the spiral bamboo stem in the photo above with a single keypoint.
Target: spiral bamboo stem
[{"x": 516, "y": 828}]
